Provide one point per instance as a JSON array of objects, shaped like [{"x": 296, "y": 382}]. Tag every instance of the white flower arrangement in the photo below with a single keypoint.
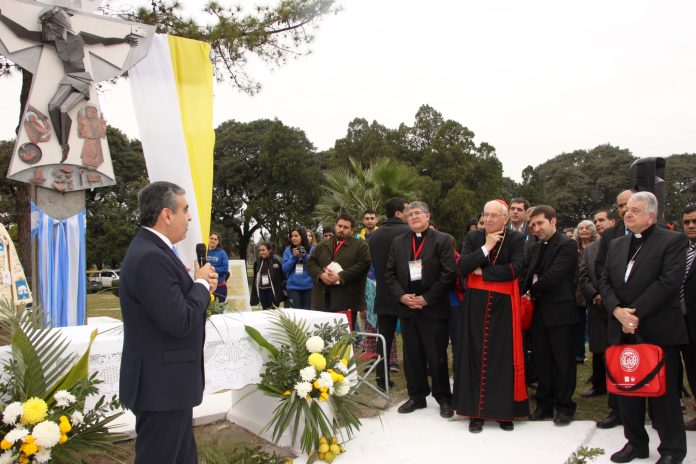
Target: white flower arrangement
[
  {"x": 303, "y": 389},
  {"x": 43, "y": 456},
  {"x": 11, "y": 413},
  {"x": 46, "y": 434},
  {"x": 64, "y": 398},
  {"x": 315, "y": 344},
  {"x": 308, "y": 374},
  {"x": 17, "y": 434},
  {"x": 76, "y": 418},
  {"x": 8, "y": 457}
]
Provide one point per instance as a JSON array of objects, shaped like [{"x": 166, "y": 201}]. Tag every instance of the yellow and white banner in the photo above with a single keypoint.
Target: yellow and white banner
[
  {"x": 13, "y": 284},
  {"x": 172, "y": 91}
]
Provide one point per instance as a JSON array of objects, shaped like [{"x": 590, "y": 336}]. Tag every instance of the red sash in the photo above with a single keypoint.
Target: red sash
[{"x": 513, "y": 289}]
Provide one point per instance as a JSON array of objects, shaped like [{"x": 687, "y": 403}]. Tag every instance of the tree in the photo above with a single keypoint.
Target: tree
[
  {"x": 270, "y": 33},
  {"x": 366, "y": 142},
  {"x": 112, "y": 212},
  {"x": 680, "y": 188},
  {"x": 357, "y": 189},
  {"x": 266, "y": 179},
  {"x": 579, "y": 183},
  {"x": 460, "y": 175}
]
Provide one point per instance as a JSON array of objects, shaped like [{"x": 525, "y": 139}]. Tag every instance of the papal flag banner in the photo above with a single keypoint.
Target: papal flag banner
[{"x": 172, "y": 91}]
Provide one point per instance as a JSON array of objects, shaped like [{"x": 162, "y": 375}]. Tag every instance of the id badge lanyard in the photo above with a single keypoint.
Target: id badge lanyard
[{"x": 415, "y": 267}]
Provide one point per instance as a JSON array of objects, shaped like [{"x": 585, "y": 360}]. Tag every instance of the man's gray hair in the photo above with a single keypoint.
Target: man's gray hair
[
  {"x": 500, "y": 204},
  {"x": 648, "y": 199},
  {"x": 153, "y": 198},
  {"x": 421, "y": 205}
]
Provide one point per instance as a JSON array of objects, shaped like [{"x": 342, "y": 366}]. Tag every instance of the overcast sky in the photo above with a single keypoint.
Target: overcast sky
[{"x": 533, "y": 78}]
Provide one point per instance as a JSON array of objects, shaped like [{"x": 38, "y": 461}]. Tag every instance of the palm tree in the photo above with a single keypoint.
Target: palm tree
[{"x": 357, "y": 189}]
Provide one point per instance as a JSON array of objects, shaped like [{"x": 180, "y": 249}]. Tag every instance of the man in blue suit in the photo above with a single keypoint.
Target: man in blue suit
[{"x": 164, "y": 315}]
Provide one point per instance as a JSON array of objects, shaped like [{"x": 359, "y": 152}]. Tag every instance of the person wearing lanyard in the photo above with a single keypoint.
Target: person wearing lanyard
[
  {"x": 268, "y": 277},
  {"x": 420, "y": 272},
  {"x": 338, "y": 268}
]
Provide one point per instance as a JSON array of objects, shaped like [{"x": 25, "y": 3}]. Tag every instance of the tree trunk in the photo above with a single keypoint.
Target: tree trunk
[{"x": 23, "y": 197}]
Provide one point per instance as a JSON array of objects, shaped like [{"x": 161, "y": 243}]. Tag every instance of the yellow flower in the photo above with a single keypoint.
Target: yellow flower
[
  {"x": 4, "y": 444},
  {"x": 65, "y": 427},
  {"x": 63, "y": 439},
  {"x": 34, "y": 410},
  {"x": 29, "y": 447},
  {"x": 335, "y": 376},
  {"x": 345, "y": 362},
  {"x": 23, "y": 459},
  {"x": 324, "y": 396},
  {"x": 287, "y": 393},
  {"x": 317, "y": 361}
]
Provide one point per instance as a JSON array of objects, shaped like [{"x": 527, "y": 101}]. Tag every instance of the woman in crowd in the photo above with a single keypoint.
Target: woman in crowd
[
  {"x": 267, "y": 287},
  {"x": 219, "y": 260},
  {"x": 584, "y": 234},
  {"x": 311, "y": 238},
  {"x": 298, "y": 280}
]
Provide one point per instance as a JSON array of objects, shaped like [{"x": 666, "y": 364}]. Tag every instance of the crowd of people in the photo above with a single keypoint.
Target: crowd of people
[
  {"x": 598, "y": 282},
  {"x": 611, "y": 280}
]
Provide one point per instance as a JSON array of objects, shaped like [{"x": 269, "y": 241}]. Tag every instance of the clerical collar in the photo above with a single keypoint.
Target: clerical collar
[
  {"x": 418, "y": 234},
  {"x": 645, "y": 234}
]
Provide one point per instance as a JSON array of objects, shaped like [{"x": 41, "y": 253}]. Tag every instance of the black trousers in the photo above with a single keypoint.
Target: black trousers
[
  {"x": 667, "y": 416},
  {"x": 554, "y": 360},
  {"x": 386, "y": 327},
  {"x": 165, "y": 437},
  {"x": 425, "y": 346},
  {"x": 688, "y": 352},
  {"x": 599, "y": 373}
]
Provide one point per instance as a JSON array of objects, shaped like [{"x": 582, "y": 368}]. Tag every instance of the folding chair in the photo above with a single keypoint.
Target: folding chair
[{"x": 372, "y": 360}]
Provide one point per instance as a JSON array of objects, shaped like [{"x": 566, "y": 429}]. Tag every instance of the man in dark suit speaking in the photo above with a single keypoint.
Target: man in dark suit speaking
[
  {"x": 164, "y": 314},
  {"x": 640, "y": 286}
]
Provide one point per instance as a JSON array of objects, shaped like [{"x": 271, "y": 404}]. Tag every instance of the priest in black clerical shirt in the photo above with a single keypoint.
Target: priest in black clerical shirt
[
  {"x": 420, "y": 272},
  {"x": 640, "y": 287}
]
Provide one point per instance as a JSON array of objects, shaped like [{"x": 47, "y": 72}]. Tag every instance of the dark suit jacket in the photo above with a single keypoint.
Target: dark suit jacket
[
  {"x": 554, "y": 291},
  {"x": 589, "y": 287},
  {"x": 619, "y": 230},
  {"x": 511, "y": 253},
  {"x": 690, "y": 301},
  {"x": 380, "y": 243},
  {"x": 354, "y": 258},
  {"x": 439, "y": 272},
  {"x": 164, "y": 314},
  {"x": 652, "y": 287}
]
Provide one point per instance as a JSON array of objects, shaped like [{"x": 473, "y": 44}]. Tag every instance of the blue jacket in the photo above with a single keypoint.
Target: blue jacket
[
  {"x": 296, "y": 281},
  {"x": 218, "y": 259}
]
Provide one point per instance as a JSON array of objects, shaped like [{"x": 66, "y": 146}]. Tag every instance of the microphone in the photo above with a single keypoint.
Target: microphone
[{"x": 201, "y": 252}]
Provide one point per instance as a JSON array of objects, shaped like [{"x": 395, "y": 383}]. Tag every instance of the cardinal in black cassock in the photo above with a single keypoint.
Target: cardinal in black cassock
[{"x": 489, "y": 378}]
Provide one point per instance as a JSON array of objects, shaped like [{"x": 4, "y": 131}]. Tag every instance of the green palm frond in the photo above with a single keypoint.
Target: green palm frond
[
  {"x": 357, "y": 189},
  {"x": 288, "y": 331}
]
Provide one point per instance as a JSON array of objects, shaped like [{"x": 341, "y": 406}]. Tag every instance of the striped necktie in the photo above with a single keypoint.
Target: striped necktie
[{"x": 690, "y": 253}]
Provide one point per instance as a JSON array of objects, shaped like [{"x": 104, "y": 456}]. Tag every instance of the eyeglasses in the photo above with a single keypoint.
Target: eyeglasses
[{"x": 491, "y": 215}]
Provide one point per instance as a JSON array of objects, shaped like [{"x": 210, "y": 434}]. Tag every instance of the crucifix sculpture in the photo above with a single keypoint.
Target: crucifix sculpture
[{"x": 68, "y": 49}]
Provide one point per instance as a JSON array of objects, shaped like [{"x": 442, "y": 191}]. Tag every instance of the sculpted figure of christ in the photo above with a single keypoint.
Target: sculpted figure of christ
[{"x": 56, "y": 29}]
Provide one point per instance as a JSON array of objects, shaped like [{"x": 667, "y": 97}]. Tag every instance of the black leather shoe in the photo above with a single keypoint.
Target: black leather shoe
[
  {"x": 562, "y": 418},
  {"x": 475, "y": 425},
  {"x": 411, "y": 405},
  {"x": 508, "y": 426},
  {"x": 381, "y": 386},
  {"x": 628, "y": 453},
  {"x": 446, "y": 410},
  {"x": 592, "y": 392},
  {"x": 540, "y": 414},
  {"x": 668, "y": 460},
  {"x": 609, "y": 422}
]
